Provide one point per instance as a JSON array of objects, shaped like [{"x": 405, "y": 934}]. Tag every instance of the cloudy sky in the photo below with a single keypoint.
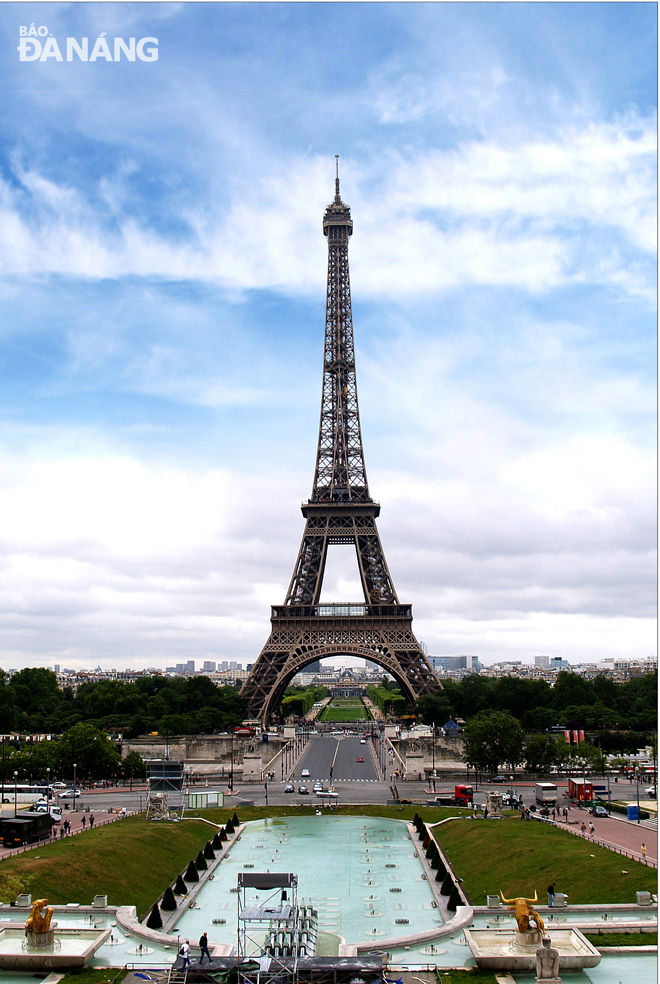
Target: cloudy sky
[{"x": 162, "y": 306}]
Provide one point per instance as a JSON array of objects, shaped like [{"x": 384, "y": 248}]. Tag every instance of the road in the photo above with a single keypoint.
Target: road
[{"x": 328, "y": 757}]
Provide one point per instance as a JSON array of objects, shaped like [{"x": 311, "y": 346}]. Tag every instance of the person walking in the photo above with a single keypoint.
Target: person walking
[
  {"x": 84, "y": 822},
  {"x": 551, "y": 895},
  {"x": 592, "y": 829},
  {"x": 583, "y": 829},
  {"x": 185, "y": 953},
  {"x": 204, "y": 947},
  {"x": 644, "y": 851},
  {"x": 91, "y": 821}
]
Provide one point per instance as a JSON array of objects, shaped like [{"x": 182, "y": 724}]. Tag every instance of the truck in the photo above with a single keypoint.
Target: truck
[
  {"x": 462, "y": 796},
  {"x": 54, "y": 812},
  {"x": 580, "y": 789},
  {"x": 546, "y": 793},
  {"x": 25, "y": 828}
]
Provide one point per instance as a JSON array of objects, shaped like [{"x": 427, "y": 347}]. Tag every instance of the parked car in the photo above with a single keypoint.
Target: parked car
[
  {"x": 303, "y": 790},
  {"x": 498, "y": 779},
  {"x": 289, "y": 788},
  {"x": 598, "y": 810},
  {"x": 305, "y": 773}
]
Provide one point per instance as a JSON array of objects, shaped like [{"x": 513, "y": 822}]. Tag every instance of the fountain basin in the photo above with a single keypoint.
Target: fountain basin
[
  {"x": 496, "y": 949},
  {"x": 70, "y": 948}
]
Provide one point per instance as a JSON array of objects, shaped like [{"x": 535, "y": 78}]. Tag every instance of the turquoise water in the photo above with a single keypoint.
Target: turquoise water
[
  {"x": 360, "y": 873},
  {"x": 634, "y": 968}
]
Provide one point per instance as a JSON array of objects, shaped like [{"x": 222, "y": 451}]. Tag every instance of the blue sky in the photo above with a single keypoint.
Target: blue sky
[{"x": 162, "y": 274}]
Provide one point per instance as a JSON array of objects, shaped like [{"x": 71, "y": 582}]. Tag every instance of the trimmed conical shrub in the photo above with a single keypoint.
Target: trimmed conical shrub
[
  {"x": 435, "y": 862},
  {"x": 223, "y": 834},
  {"x": 431, "y": 850},
  {"x": 454, "y": 899},
  {"x": 426, "y": 841},
  {"x": 168, "y": 902},
  {"x": 216, "y": 843},
  {"x": 447, "y": 884},
  {"x": 229, "y": 827},
  {"x": 209, "y": 852},
  {"x": 236, "y": 822},
  {"x": 154, "y": 921},
  {"x": 442, "y": 871},
  {"x": 200, "y": 862},
  {"x": 191, "y": 873},
  {"x": 180, "y": 886},
  {"x": 415, "y": 819}
]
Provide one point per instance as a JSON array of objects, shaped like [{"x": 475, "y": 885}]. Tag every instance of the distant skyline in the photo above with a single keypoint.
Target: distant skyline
[{"x": 162, "y": 292}]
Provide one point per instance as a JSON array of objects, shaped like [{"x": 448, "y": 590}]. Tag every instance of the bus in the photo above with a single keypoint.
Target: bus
[
  {"x": 25, "y": 829},
  {"x": 22, "y": 793}
]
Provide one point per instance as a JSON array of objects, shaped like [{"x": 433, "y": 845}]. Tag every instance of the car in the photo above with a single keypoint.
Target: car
[
  {"x": 650, "y": 791},
  {"x": 305, "y": 773},
  {"x": 289, "y": 788},
  {"x": 363, "y": 741},
  {"x": 303, "y": 790},
  {"x": 498, "y": 779},
  {"x": 597, "y": 810},
  {"x": 318, "y": 787},
  {"x": 70, "y": 794},
  {"x": 60, "y": 785},
  {"x": 360, "y": 759}
]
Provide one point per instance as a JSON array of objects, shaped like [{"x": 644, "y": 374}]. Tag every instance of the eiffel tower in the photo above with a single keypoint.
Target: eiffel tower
[{"x": 340, "y": 511}]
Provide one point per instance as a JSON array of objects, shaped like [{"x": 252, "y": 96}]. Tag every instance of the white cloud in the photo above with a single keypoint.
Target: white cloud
[{"x": 579, "y": 208}]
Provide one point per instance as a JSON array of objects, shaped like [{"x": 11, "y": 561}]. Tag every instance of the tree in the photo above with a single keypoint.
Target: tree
[
  {"x": 154, "y": 921},
  {"x": 492, "y": 739},
  {"x": 92, "y": 751},
  {"x": 134, "y": 766},
  {"x": 540, "y": 752},
  {"x": 168, "y": 902},
  {"x": 191, "y": 873}
]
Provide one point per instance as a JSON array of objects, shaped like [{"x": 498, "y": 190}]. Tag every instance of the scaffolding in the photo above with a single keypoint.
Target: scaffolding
[
  {"x": 276, "y": 929},
  {"x": 165, "y": 790}
]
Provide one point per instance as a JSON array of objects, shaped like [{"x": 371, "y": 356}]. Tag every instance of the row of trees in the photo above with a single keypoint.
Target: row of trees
[
  {"x": 495, "y": 738},
  {"x": 298, "y": 700},
  {"x": 32, "y": 702},
  {"x": 95, "y": 754},
  {"x": 388, "y": 699},
  {"x": 591, "y": 705}
]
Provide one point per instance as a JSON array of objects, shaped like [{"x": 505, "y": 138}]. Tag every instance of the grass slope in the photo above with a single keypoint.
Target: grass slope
[
  {"x": 520, "y": 858},
  {"x": 134, "y": 860},
  {"x": 131, "y": 860}
]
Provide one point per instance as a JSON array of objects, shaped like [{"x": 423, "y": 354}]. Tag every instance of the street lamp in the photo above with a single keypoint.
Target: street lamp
[
  {"x": 15, "y": 795},
  {"x": 433, "y": 753},
  {"x": 74, "y": 787},
  {"x": 231, "y": 771}
]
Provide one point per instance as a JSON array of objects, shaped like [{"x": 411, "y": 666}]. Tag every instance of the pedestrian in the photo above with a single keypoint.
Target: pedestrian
[
  {"x": 62, "y": 829},
  {"x": 204, "y": 947},
  {"x": 583, "y": 828},
  {"x": 551, "y": 894},
  {"x": 185, "y": 953},
  {"x": 591, "y": 829},
  {"x": 553, "y": 813},
  {"x": 644, "y": 851},
  {"x": 84, "y": 822},
  {"x": 565, "y": 815},
  {"x": 91, "y": 820}
]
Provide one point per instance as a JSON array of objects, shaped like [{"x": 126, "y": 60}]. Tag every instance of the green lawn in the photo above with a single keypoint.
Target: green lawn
[
  {"x": 520, "y": 858},
  {"x": 133, "y": 860},
  {"x": 623, "y": 939},
  {"x": 345, "y": 709}
]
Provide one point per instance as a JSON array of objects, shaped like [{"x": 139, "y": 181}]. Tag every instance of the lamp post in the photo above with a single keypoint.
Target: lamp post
[
  {"x": 74, "y": 787},
  {"x": 231, "y": 770},
  {"x": 15, "y": 795},
  {"x": 637, "y": 777},
  {"x": 433, "y": 752}
]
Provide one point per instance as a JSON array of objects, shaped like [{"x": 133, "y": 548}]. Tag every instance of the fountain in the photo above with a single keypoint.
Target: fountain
[
  {"x": 40, "y": 945},
  {"x": 527, "y": 948}
]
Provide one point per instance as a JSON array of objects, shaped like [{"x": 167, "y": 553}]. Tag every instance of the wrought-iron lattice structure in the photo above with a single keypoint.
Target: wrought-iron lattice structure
[{"x": 339, "y": 511}]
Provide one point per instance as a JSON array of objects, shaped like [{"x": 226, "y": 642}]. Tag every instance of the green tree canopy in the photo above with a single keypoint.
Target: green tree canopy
[{"x": 492, "y": 739}]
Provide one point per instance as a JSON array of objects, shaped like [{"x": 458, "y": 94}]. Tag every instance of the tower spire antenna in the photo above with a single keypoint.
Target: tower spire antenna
[{"x": 337, "y": 196}]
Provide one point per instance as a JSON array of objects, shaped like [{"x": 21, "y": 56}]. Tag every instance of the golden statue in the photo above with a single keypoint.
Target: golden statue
[
  {"x": 524, "y": 911},
  {"x": 37, "y": 921}
]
